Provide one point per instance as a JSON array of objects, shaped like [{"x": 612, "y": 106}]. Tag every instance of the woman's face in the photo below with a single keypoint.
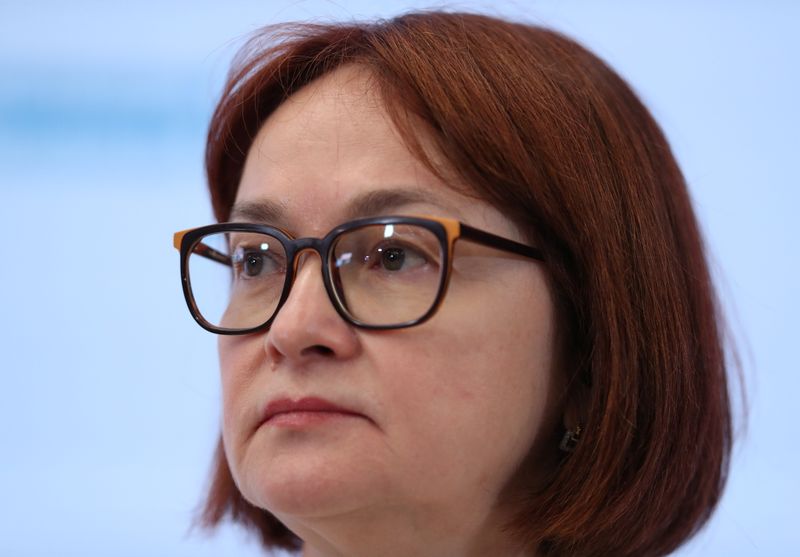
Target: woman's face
[{"x": 442, "y": 413}]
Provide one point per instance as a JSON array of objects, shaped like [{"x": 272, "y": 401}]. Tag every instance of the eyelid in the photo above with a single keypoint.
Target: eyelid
[
  {"x": 238, "y": 253},
  {"x": 429, "y": 256}
]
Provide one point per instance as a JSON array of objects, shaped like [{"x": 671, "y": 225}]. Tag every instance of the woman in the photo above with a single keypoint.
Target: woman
[{"x": 470, "y": 312}]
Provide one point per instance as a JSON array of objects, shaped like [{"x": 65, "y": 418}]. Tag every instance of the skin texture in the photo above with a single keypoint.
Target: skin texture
[{"x": 449, "y": 408}]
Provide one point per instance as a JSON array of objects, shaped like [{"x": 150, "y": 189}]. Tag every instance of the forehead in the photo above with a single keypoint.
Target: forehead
[
  {"x": 330, "y": 153},
  {"x": 326, "y": 145}
]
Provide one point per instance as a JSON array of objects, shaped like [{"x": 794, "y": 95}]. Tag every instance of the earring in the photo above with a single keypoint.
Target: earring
[{"x": 570, "y": 439}]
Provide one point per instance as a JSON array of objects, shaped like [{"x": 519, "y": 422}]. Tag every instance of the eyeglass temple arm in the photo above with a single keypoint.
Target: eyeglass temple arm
[
  {"x": 492, "y": 241},
  {"x": 202, "y": 249},
  {"x": 212, "y": 254}
]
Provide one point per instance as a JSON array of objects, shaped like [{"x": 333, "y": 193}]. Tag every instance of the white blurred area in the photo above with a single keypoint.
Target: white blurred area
[{"x": 109, "y": 395}]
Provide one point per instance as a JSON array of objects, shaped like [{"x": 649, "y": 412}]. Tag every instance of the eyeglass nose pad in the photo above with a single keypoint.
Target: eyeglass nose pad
[
  {"x": 301, "y": 256},
  {"x": 333, "y": 290}
]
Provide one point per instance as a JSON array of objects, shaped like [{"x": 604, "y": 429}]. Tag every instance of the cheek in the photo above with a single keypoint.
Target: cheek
[
  {"x": 463, "y": 384},
  {"x": 239, "y": 359},
  {"x": 499, "y": 351}
]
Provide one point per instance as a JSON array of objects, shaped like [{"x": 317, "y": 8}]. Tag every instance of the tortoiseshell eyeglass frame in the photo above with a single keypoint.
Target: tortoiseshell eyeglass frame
[{"x": 446, "y": 230}]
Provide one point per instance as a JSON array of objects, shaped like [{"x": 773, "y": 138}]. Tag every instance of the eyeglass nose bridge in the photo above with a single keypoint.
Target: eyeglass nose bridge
[
  {"x": 295, "y": 249},
  {"x": 300, "y": 245}
]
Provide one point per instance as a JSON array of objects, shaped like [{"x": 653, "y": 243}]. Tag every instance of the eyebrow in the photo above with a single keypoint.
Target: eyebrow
[
  {"x": 381, "y": 201},
  {"x": 367, "y": 204},
  {"x": 263, "y": 211}
]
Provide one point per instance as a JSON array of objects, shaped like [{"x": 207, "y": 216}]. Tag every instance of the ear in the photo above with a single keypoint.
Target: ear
[{"x": 576, "y": 405}]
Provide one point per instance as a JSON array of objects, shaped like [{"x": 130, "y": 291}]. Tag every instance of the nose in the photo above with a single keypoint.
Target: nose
[{"x": 307, "y": 327}]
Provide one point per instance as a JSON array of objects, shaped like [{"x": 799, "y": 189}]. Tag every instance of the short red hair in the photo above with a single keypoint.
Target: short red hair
[{"x": 546, "y": 132}]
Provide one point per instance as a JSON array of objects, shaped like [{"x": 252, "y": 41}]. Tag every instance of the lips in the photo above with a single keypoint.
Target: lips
[{"x": 307, "y": 406}]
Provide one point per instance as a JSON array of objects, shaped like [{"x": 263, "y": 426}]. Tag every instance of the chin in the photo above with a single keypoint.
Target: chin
[{"x": 310, "y": 485}]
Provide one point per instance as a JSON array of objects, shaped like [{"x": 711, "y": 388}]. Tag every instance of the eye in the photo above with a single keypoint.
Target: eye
[
  {"x": 253, "y": 264},
  {"x": 392, "y": 258},
  {"x": 395, "y": 258},
  {"x": 250, "y": 263}
]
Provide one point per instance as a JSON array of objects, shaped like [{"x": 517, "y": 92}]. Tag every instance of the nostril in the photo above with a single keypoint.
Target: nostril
[{"x": 318, "y": 349}]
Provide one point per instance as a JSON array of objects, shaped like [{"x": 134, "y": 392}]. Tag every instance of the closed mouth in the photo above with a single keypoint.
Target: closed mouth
[{"x": 305, "y": 405}]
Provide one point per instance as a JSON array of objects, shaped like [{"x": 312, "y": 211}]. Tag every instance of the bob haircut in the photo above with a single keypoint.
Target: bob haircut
[{"x": 547, "y": 133}]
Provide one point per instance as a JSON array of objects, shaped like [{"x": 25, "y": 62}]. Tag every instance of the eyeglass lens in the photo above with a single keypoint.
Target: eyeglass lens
[{"x": 381, "y": 274}]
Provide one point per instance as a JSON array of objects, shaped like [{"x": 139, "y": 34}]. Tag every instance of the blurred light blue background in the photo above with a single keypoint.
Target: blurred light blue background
[{"x": 109, "y": 397}]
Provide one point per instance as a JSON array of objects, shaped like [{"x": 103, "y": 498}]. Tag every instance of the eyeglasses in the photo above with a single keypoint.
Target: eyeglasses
[{"x": 380, "y": 273}]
